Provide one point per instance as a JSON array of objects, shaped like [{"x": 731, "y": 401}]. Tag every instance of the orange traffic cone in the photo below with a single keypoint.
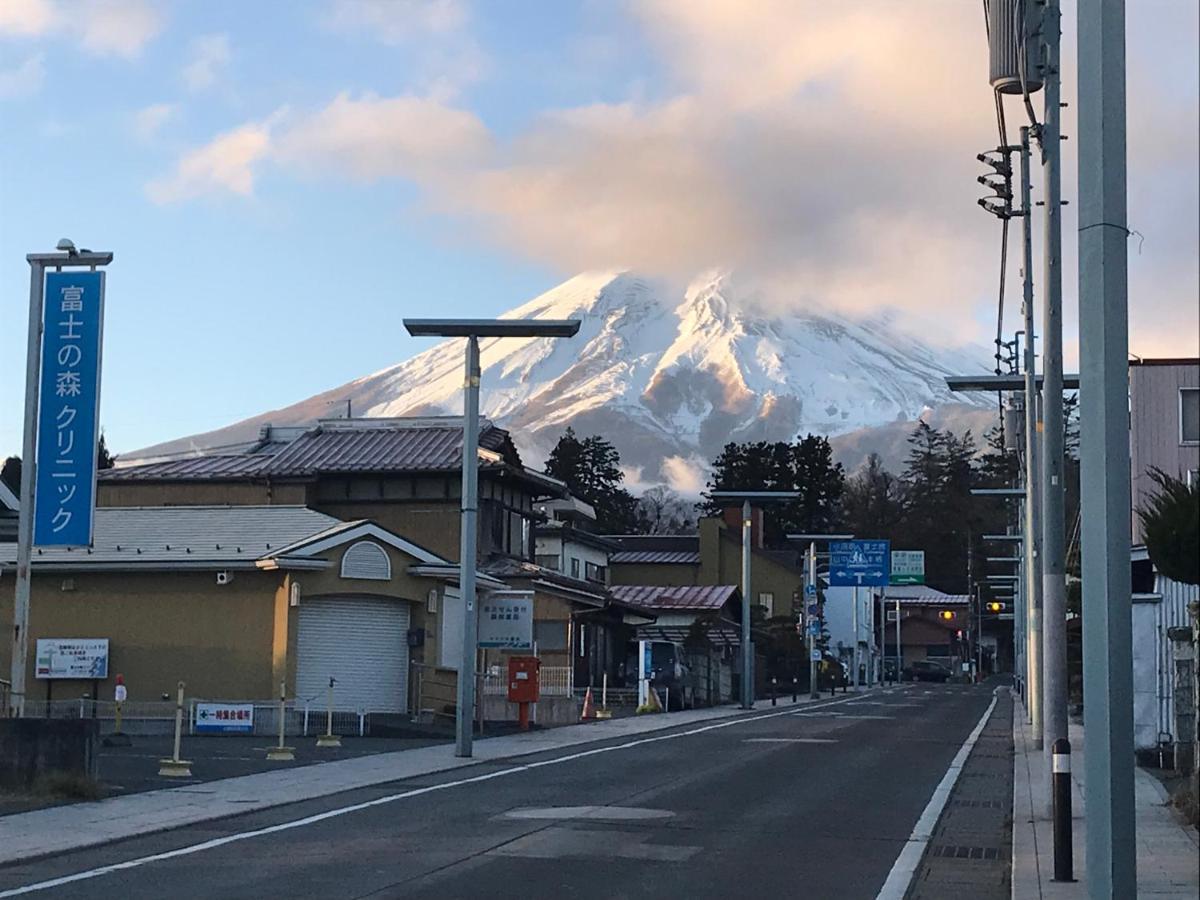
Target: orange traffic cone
[{"x": 589, "y": 706}]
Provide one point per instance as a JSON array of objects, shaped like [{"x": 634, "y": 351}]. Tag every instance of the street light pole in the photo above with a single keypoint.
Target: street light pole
[
  {"x": 813, "y": 693},
  {"x": 1104, "y": 451},
  {"x": 464, "y": 719},
  {"x": 472, "y": 330},
  {"x": 747, "y": 661}
]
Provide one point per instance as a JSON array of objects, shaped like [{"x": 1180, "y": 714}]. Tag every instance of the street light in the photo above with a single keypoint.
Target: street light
[
  {"x": 748, "y": 497},
  {"x": 473, "y": 330}
]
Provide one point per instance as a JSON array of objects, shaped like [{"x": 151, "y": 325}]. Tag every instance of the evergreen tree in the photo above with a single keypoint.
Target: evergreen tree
[
  {"x": 873, "y": 503},
  {"x": 805, "y": 466},
  {"x": 591, "y": 469},
  {"x": 104, "y": 459},
  {"x": 10, "y": 474},
  {"x": 1171, "y": 525}
]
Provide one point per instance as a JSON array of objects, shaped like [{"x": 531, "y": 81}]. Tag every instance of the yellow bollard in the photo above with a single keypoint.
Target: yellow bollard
[
  {"x": 176, "y": 767},
  {"x": 281, "y": 753},
  {"x": 329, "y": 739}
]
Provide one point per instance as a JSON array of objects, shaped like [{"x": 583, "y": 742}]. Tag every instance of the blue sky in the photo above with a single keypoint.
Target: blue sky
[{"x": 281, "y": 182}]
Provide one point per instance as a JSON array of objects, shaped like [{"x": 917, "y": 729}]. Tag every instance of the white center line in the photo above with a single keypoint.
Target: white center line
[
  {"x": 789, "y": 741},
  {"x": 379, "y": 801}
]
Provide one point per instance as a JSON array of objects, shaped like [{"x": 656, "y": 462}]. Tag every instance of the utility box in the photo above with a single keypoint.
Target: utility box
[
  {"x": 1014, "y": 45},
  {"x": 523, "y": 680}
]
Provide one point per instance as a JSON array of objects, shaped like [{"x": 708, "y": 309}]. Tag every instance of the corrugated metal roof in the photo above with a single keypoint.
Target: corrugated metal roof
[
  {"x": 652, "y": 596},
  {"x": 421, "y": 445},
  {"x": 187, "y": 534},
  {"x": 921, "y": 594},
  {"x": 194, "y": 468},
  {"x": 661, "y": 557}
]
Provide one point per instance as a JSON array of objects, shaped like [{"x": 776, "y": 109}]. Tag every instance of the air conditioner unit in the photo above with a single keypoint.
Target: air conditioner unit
[{"x": 224, "y": 577}]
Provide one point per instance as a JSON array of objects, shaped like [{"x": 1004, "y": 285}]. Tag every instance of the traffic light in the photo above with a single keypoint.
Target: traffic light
[
  {"x": 946, "y": 614},
  {"x": 996, "y": 607}
]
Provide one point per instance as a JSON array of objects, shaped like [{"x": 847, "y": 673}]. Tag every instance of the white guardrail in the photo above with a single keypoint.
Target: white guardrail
[{"x": 555, "y": 681}]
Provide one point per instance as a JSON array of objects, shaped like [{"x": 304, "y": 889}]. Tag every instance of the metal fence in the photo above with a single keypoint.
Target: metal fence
[
  {"x": 157, "y": 717},
  {"x": 554, "y": 681}
]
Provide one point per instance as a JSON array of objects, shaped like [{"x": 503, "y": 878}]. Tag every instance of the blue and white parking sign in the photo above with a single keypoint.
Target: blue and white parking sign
[
  {"x": 68, "y": 414},
  {"x": 859, "y": 563}
]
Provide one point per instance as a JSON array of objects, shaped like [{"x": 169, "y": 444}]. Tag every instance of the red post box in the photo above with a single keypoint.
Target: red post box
[{"x": 523, "y": 684}]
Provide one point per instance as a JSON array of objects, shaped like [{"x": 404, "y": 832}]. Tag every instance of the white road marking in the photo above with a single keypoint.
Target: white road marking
[
  {"x": 905, "y": 866},
  {"x": 379, "y": 801}
]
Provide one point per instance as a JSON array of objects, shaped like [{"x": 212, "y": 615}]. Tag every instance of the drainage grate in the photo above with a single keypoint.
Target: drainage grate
[{"x": 962, "y": 851}]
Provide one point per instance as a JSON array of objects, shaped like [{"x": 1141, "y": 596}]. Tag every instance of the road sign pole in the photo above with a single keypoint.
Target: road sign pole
[
  {"x": 854, "y": 655},
  {"x": 812, "y": 643},
  {"x": 33, "y": 359},
  {"x": 899, "y": 648}
]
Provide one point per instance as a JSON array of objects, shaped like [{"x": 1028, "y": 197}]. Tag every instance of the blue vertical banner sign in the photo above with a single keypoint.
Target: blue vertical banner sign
[{"x": 68, "y": 409}]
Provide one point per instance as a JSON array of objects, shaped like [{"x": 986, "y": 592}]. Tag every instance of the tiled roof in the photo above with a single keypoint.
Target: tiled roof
[
  {"x": 418, "y": 445},
  {"x": 186, "y": 535},
  {"x": 921, "y": 595},
  {"x": 650, "y": 596},
  {"x": 659, "y": 557}
]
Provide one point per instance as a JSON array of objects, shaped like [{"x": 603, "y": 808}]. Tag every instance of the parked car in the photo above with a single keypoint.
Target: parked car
[
  {"x": 927, "y": 670},
  {"x": 668, "y": 671}
]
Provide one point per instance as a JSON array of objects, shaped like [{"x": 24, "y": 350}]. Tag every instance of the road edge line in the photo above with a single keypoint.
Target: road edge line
[{"x": 900, "y": 877}]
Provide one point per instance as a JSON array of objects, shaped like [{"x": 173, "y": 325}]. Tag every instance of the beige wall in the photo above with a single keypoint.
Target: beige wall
[
  {"x": 162, "y": 628},
  {"x": 234, "y": 641},
  {"x": 199, "y": 493}
]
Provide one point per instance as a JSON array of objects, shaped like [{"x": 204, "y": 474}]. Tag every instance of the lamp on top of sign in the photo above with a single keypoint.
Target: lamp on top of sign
[{"x": 68, "y": 409}]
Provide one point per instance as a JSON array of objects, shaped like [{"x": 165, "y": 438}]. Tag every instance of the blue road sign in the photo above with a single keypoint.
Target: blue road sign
[
  {"x": 68, "y": 421},
  {"x": 810, "y": 590},
  {"x": 859, "y": 563},
  {"x": 814, "y": 628},
  {"x": 812, "y": 609}
]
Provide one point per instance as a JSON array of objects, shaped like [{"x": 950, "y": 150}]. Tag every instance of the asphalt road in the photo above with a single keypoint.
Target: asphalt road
[{"x": 815, "y": 802}]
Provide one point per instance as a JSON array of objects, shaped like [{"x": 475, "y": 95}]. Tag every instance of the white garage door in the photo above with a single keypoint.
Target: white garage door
[{"x": 360, "y": 641}]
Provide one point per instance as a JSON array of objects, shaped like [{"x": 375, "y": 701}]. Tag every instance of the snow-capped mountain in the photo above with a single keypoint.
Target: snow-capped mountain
[{"x": 668, "y": 378}]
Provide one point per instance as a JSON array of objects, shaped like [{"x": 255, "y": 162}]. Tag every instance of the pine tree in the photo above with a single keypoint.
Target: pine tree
[{"x": 591, "y": 469}]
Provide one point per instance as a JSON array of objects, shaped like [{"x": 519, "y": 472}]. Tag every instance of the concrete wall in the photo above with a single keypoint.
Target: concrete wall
[
  {"x": 30, "y": 748},
  {"x": 1155, "y": 427}
]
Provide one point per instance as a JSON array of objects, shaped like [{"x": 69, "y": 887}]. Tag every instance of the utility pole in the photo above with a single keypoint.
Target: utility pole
[
  {"x": 1054, "y": 550},
  {"x": 1033, "y": 504},
  {"x": 1104, "y": 451},
  {"x": 747, "y": 645}
]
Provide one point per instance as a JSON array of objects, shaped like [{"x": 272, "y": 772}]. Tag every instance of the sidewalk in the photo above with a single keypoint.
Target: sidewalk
[
  {"x": 62, "y": 828},
  {"x": 1168, "y": 858}
]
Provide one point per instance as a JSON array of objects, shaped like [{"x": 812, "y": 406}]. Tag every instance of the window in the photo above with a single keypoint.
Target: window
[
  {"x": 596, "y": 572},
  {"x": 547, "y": 561},
  {"x": 368, "y": 560},
  {"x": 550, "y": 635},
  {"x": 767, "y": 601},
  {"x": 574, "y": 567},
  {"x": 1189, "y": 415}
]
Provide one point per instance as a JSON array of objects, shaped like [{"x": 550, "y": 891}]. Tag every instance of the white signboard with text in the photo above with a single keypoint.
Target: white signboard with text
[
  {"x": 506, "y": 620},
  {"x": 225, "y": 717},
  {"x": 82, "y": 658}
]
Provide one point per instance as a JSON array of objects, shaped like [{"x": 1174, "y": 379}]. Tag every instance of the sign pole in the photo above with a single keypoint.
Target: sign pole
[
  {"x": 38, "y": 263},
  {"x": 747, "y": 645},
  {"x": 465, "y": 714},
  {"x": 812, "y": 644}
]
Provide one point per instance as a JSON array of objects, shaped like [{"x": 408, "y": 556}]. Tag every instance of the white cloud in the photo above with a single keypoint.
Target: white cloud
[
  {"x": 104, "y": 27},
  {"x": 149, "y": 120},
  {"x": 27, "y": 18},
  {"x": 209, "y": 55},
  {"x": 118, "y": 27},
  {"x": 24, "y": 80},
  {"x": 398, "y": 21},
  {"x": 224, "y": 165},
  {"x": 377, "y": 137}
]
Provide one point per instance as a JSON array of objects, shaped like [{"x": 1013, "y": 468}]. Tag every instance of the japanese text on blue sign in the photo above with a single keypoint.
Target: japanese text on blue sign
[
  {"x": 64, "y": 495},
  {"x": 859, "y": 563}
]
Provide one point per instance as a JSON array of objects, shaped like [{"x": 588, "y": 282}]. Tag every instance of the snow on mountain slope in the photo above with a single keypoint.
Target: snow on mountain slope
[{"x": 666, "y": 377}]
